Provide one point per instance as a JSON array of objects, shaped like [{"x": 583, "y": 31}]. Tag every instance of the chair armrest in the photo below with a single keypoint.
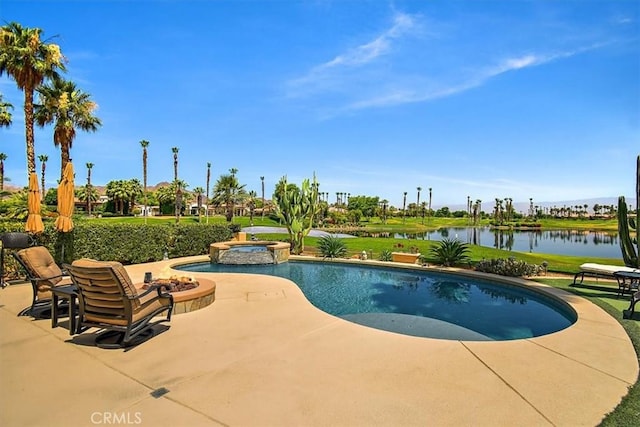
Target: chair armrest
[
  {"x": 151, "y": 289},
  {"x": 41, "y": 279}
]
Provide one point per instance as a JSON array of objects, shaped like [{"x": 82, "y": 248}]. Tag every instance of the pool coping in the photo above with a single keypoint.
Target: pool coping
[{"x": 266, "y": 356}]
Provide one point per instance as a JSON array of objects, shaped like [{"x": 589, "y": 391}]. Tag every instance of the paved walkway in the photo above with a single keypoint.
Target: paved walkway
[{"x": 262, "y": 355}]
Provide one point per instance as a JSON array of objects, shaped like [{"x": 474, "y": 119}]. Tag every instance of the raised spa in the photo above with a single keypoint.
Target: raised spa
[{"x": 249, "y": 252}]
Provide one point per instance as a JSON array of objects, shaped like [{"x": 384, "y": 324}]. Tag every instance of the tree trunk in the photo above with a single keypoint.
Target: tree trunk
[{"x": 28, "y": 121}]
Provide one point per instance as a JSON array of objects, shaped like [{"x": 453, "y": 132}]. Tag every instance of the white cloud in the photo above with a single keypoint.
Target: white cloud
[
  {"x": 328, "y": 75},
  {"x": 421, "y": 94}
]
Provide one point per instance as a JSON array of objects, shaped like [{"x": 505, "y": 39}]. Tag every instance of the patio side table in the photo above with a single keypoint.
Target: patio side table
[
  {"x": 69, "y": 293},
  {"x": 628, "y": 281}
]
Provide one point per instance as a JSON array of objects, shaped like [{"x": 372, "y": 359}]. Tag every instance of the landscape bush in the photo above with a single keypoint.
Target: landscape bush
[
  {"x": 332, "y": 247},
  {"x": 126, "y": 243},
  {"x": 508, "y": 267}
]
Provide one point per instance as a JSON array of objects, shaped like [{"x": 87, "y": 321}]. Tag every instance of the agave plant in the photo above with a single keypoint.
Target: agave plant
[
  {"x": 449, "y": 252},
  {"x": 385, "y": 255},
  {"x": 332, "y": 247}
]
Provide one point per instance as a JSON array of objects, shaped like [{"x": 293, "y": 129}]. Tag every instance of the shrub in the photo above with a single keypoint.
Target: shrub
[
  {"x": 126, "y": 243},
  {"x": 449, "y": 252},
  {"x": 385, "y": 255},
  {"x": 332, "y": 247},
  {"x": 508, "y": 267}
]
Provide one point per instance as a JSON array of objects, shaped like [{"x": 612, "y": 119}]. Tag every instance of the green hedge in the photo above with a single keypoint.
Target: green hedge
[{"x": 126, "y": 243}]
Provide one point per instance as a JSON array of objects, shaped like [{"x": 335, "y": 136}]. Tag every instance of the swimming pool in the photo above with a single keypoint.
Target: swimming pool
[{"x": 412, "y": 302}]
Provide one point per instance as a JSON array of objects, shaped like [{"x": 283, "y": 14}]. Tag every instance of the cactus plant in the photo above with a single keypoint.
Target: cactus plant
[
  {"x": 630, "y": 254},
  {"x": 297, "y": 207}
]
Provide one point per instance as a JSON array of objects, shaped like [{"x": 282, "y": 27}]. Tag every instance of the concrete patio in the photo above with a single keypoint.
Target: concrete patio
[{"x": 262, "y": 355}]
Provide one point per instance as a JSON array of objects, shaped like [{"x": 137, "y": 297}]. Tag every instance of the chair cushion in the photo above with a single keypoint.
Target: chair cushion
[
  {"x": 117, "y": 268},
  {"x": 41, "y": 265}
]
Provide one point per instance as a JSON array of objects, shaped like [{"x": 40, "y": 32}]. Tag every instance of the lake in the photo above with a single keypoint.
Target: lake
[{"x": 597, "y": 244}]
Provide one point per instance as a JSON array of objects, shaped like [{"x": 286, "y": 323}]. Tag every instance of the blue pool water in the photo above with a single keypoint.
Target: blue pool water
[{"x": 418, "y": 303}]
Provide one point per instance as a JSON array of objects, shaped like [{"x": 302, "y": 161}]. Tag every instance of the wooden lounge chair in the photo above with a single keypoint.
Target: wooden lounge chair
[
  {"x": 109, "y": 301},
  {"x": 44, "y": 274}
]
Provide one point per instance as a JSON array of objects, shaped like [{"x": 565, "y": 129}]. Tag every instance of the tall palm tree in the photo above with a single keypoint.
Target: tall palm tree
[
  {"x": 207, "y": 195},
  {"x": 404, "y": 207},
  {"x": 68, "y": 108},
  {"x": 3, "y": 157},
  {"x": 28, "y": 61},
  {"x": 89, "y": 191},
  {"x": 252, "y": 205},
  {"x": 262, "y": 182},
  {"x": 43, "y": 160},
  {"x": 418, "y": 200},
  {"x": 5, "y": 114},
  {"x": 5, "y": 122},
  {"x": 144, "y": 144},
  {"x": 385, "y": 203},
  {"x": 429, "y": 211},
  {"x": 178, "y": 205}
]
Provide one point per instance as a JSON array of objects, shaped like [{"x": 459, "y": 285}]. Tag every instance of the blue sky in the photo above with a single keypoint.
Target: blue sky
[{"x": 487, "y": 99}]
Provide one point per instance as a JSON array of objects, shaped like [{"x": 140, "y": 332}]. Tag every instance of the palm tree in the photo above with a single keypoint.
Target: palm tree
[
  {"x": 117, "y": 191},
  {"x": 5, "y": 114},
  {"x": 384, "y": 202},
  {"x": 165, "y": 196},
  {"x": 262, "y": 182},
  {"x": 207, "y": 195},
  {"x": 89, "y": 188},
  {"x": 418, "y": 200},
  {"x": 3, "y": 157},
  {"x": 5, "y": 121},
  {"x": 178, "y": 205},
  {"x": 134, "y": 190},
  {"x": 28, "y": 61},
  {"x": 88, "y": 193},
  {"x": 144, "y": 144},
  {"x": 199, "y": 191},
  {"x": 68, "y": 108},
  {"x": 226, "y": 190},
  {"x": 429, "y": 211},
  {"x": 43, "y": 159},
  {"x": 404, "y": 206},
  {"x": 252, "y": 205}
]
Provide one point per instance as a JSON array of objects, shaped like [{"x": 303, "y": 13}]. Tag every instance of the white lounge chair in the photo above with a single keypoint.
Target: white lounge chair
[{"x": 605, "y": 271}]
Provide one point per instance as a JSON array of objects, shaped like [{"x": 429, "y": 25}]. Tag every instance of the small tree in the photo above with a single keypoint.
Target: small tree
[{"x": 297, "y": 207}]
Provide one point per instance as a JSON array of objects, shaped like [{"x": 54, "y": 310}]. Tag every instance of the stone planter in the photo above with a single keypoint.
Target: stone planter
[{"x": 405, "y": 257}]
